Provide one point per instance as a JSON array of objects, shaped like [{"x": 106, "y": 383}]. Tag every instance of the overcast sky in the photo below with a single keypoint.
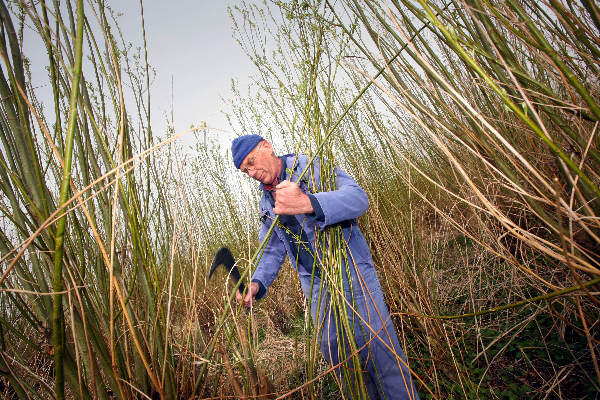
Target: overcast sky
[{"x": 191, "y": 41}]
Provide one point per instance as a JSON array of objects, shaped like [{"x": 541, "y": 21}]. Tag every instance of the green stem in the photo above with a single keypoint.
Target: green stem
[
  {"x": 549, "y": 50},
  {"x": 57, "y": 312},
  {"x": 546, "y": 296},
  {"x": 517, "y": 110}
]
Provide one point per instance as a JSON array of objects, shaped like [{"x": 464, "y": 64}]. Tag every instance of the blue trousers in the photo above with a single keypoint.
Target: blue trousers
[{"x": 385, "y": 374}]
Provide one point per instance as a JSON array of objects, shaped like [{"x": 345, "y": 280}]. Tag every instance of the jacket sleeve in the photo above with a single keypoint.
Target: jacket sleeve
[
  {"x": 348, "y": 201},
  {"x": 270, "y": 262}
]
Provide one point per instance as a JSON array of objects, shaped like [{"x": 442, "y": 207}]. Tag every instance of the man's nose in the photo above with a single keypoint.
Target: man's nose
[{"x": 252, "y": 172}]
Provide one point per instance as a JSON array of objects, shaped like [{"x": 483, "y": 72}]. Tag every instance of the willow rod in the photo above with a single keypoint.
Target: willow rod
[
  {"x": 356, "y": 98},
  {"x": 57, "y": 311},
  {"x": 546, "y": 296}
]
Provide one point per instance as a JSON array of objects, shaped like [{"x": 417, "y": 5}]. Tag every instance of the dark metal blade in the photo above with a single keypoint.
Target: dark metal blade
[{"x": 225, "y": 258}]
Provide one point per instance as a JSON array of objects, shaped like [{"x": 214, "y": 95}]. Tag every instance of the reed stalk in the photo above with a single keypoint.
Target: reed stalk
[
  {"x": 57, "y": 317},
  {"x": 39, "y": 247}
]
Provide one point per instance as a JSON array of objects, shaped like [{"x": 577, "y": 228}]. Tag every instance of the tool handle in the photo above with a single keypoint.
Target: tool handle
[{"x": 241, "y": 288}]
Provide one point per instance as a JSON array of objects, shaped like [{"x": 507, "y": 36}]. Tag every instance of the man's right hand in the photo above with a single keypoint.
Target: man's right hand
[{"x": 250, "y": 294}]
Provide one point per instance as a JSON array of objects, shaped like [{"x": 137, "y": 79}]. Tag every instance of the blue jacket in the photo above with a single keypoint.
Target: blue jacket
[{"x": 341, "y": 206}]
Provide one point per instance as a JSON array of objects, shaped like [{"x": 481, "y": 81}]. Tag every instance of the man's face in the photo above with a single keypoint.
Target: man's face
[{"x": 261, "y": 164}]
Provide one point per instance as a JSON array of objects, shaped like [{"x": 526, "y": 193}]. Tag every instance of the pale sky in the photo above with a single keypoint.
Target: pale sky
[{"x": 189, "y": 40}]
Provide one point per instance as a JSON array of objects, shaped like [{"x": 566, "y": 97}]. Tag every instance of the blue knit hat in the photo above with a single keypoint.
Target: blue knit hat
[{"x": 241, "y": 146}]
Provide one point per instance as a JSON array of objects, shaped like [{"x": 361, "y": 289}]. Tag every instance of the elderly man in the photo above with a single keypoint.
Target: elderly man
[{"x": 304, "y": 210}]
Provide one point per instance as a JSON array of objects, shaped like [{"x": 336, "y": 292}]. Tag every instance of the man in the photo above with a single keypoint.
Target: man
[{"x": 304, "y": 211}]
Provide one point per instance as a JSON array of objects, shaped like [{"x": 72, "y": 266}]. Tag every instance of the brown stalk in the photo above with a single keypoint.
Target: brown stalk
[
  {"x": 237, "y": 388},
  {"x": 589, "y": 339}
]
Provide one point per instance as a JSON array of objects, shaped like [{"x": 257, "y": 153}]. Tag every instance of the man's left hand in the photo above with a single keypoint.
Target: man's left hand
[{"x": 290, "y": 200}]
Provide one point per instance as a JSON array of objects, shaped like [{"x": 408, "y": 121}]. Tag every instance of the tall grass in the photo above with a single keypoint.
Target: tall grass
[
  {"x": 478, "y": 152},
  {"x": 83, "y": 219},
  {"x": 477, "y": 145}
]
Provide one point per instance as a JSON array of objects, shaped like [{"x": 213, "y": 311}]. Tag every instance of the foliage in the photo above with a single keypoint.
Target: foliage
[
  {"x": 477, "y": 149},
  {"x": 477, "y": 144}
]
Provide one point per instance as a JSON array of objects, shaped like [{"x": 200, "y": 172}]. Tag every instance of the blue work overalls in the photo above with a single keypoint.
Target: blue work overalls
[{"x": 385, "y": 373}]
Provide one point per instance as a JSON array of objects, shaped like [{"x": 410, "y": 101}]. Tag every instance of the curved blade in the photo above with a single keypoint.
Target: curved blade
[{"x": 225, "y": 258}]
